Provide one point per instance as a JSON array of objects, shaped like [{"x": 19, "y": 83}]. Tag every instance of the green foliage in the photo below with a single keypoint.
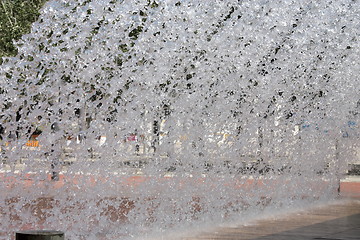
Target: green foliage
[
  {"x": 16, "y": 17},
  {"x": 134, "y": 34}
]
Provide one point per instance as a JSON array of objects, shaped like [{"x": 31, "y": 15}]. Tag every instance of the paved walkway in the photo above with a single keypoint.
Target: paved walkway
[{"x": 340, "y": 221}]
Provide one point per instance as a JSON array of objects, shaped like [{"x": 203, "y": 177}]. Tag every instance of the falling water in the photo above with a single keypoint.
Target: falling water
[{"x": 132, "y": 118}]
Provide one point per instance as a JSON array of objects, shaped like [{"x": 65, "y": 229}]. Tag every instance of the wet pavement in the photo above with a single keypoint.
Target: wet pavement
[{"x": 338, "y": 221}]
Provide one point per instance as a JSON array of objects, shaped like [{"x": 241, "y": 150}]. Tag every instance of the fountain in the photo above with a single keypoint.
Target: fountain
[{"x": 133, "y": 119}]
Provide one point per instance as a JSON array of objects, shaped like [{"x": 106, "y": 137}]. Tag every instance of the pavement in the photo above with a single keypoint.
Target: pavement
[
  {"x": 336, "y": 221},
  {"x": 350, "y": 187}
]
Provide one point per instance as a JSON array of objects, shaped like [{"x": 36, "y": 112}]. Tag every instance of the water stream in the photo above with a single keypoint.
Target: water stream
[{"x": 135, "y": 118}]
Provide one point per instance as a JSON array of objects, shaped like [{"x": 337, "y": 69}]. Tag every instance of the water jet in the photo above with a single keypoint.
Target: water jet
[{"x": 160, "y": 114}]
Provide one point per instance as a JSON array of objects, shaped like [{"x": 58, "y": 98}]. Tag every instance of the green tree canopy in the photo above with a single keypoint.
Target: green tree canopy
[{"x": 16, "y": 17}]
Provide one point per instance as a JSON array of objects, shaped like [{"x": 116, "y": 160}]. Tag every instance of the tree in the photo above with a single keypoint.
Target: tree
[{"x": 16, "y": 17}]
